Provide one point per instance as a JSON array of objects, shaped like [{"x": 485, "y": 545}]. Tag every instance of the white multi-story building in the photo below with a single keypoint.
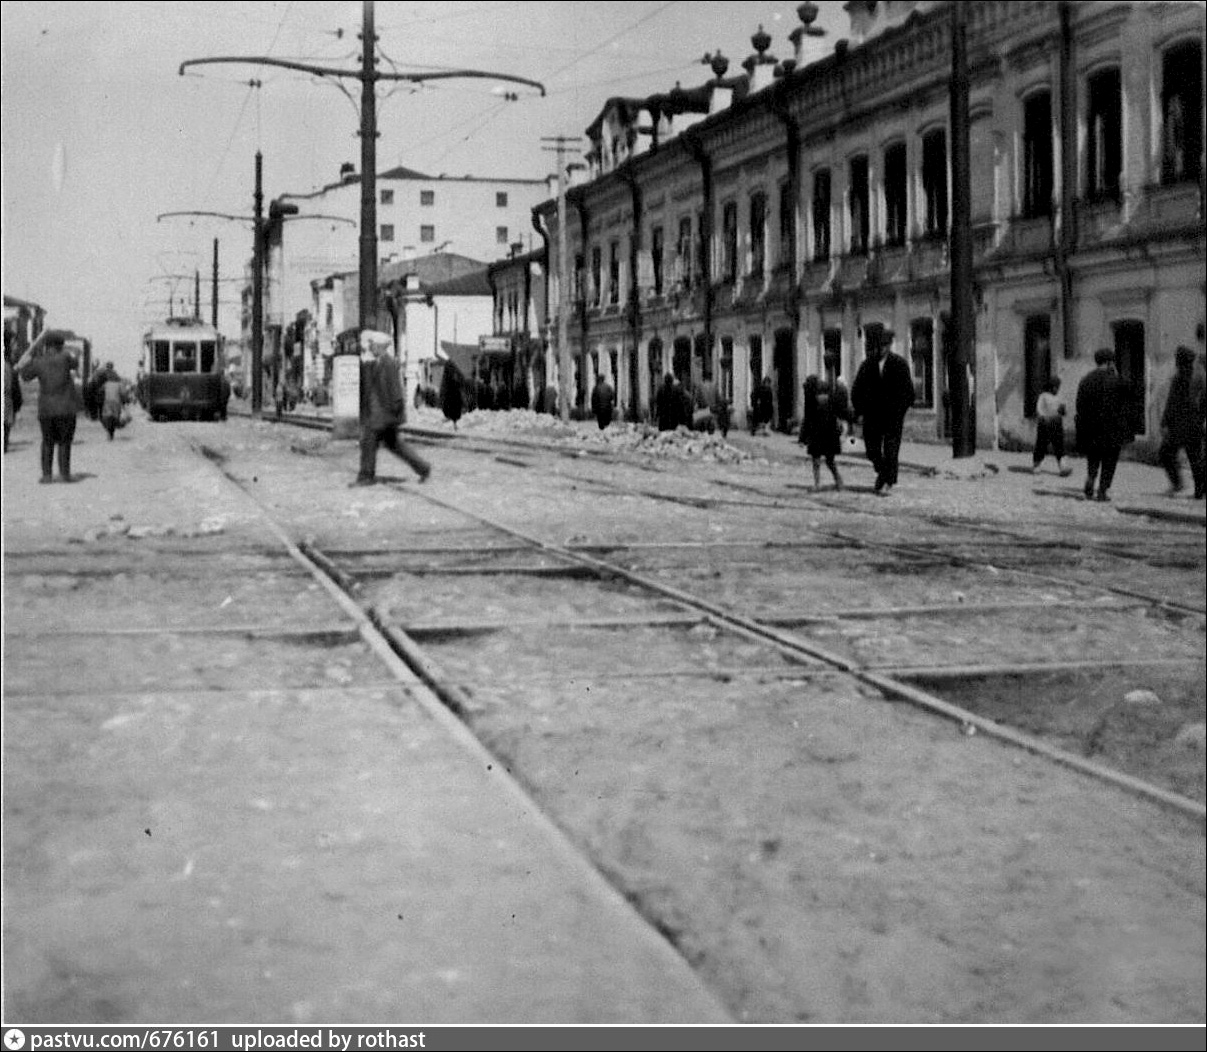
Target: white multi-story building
[{"x": 417, "y": 215}]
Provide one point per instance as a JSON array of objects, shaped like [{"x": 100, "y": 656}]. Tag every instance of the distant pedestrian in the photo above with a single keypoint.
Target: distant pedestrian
[
  {"x": 381, "y": 410},
  {"x": 11, "y": 396},
  {"x": 882, "y": 394},
  {"x": 1050, "y": 412},
  {"x": 827, "y": 408},
  {"x": 1182, "y": 423},
  {"x": 48, "y": 362},
  {"x": 111, "y": 399},
  {"x": 450, "y": 393},
  {"x": 666, "y": 404},
  {"x": 603, "y": 401},
  {"x": 762, "y": 406},
  {"x": 1102, "y": 421},
  {"x": 12, "y": 389}
]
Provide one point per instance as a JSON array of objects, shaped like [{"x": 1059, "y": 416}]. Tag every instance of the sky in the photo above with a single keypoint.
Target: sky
[{"x": 101, "y": 134}]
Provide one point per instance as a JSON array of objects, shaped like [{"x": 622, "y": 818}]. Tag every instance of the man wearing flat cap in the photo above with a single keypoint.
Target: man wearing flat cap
[
  {"x": 48, "y": 362},
  {"x": 381, "y": 409},
  {"x": 1182, "y": 423},
  {"x": 881, "y": 395},
  {"x": 1103, "y": 422}
]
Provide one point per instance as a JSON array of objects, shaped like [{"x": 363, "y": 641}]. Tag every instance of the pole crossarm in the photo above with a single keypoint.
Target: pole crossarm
[
  {"x": 356, "y": 74},
  {"x": 214, "y": 215}
]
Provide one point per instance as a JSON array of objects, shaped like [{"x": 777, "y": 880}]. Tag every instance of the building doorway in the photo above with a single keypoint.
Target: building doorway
[
  {"x": 1129, "y": 360},
  {"x": 783, "y": 358},
  {"x": 681, "y": 362}
]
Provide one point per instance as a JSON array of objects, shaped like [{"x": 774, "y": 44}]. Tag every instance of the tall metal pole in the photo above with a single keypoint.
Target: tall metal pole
[
  {"x": 214, "y": 287},
  {"x": 257, "y": 293},
  {"x": 963, "y": 319},
  {"x": 197, "y": 294},
  {"x": 368, "y": 174}
]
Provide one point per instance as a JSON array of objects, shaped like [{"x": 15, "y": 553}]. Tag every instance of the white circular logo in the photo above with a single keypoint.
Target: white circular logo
[{"x": 14, "y": 1039}]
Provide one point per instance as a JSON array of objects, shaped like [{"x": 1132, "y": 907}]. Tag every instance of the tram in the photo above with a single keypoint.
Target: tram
[{"x": 182, "y": 372}]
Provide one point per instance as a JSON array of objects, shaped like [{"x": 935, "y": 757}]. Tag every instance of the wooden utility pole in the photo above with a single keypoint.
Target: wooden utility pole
[
  {"x": 369, "y": 77},
  {"x": 257, "y": 292},
  {"x": 963, "y": 317},
  {"x": 368, "y": 172},
  {"x": 562, "y": 147},
  {"x": 214, "y": 290}
]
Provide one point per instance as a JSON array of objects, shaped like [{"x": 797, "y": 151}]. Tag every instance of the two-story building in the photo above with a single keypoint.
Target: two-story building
[{"x": 741, "y": 229}]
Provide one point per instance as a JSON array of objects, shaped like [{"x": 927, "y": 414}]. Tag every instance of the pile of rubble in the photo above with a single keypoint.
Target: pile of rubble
[{"x": 619, "y": 436}]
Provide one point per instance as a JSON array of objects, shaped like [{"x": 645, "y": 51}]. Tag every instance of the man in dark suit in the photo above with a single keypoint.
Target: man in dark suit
[
  {"x": 880, "y": 397},
  {"x": 1103, "y": 422},
  {"x": 381, "y": 410}
]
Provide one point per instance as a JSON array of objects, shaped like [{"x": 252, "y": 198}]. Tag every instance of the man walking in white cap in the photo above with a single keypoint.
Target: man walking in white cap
[{"x": 381, "y": 410}]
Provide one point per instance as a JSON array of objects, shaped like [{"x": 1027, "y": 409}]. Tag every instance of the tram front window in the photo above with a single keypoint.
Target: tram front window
[
  {"x": 184, "y": 358},
  {"x": 208, "y": 347},
  {"x": 163, "y": 356}
]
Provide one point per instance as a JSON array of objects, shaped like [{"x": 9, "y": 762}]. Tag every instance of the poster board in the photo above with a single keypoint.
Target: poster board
[{"x": 345, "y": 396}]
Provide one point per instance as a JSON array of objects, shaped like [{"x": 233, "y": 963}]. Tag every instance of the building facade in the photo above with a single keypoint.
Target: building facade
[
  {"x": 417, "y": 216},
  {"x": 741, "y": 229}
]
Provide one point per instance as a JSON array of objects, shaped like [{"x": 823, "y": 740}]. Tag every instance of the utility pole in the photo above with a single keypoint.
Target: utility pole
[
  {"x": 262, "y": 229},
  {"x": 197, "y": 294},
  {"x": 257, "y": 291},
  {"x": 963, "y": 318},
  {"x": 561, "y": 147},
  {"x": 369, "y": 76},
  {"x": 368, "y": 173},
  {"x": 214, "y": 288}
]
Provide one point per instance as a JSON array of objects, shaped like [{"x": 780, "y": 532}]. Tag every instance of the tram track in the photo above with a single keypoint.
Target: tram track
[
  {"x": 896, "y": 679},
  {"x": 561, "y": 680}
]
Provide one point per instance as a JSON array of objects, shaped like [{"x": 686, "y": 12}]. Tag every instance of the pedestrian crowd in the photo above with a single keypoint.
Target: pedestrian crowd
[{"x": 1104, "y": 420}]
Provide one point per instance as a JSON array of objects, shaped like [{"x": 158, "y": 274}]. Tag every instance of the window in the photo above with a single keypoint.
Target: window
[
  {"x": 934, "y": 181},
  {"x": 725, "y": 379},
  {"x": 387, "y": 232},
  {"x": 162, "y": 353},
  {"x": 729, "y": 241},
  {"x": 895, "y": 195},
  {"x": 1037, "y": 155},
  {"x": 1037, "y": 360},
  {"x": 704, "y": 356},
  {"x": 758, "y": 234},
  {"x": 858, "y": 200},
  {"x": 427, "y": 197},
  {"x": 387, "y": 197},
  {"x": 684, "y": 251},
  {"x": 596, "y": 275},
  {"x": 184, "y": 357},
  {"x": 656, "y": 258},
  {"x": 208, "y": 351},
  {"x": 579, "y": 268},
  {"x": 701, "y": 265},
  {"x": 1182, "y": 113},
  {"x": 501, "y": 199},
  {"x": 821, "y": 214},
  {"x": 1104, "y": 125},
  {"x": 756, "y": 361},
  {"x": 501, "y": 235},
  {"x": 831, "y": 345},
  {"x": 922, "y": 361},
  {"x": 787, "y": 226},
  {"x": 329, "y": 315},
  {"x": 427, "y": 233},
  {"x": 614, "y": 272}
]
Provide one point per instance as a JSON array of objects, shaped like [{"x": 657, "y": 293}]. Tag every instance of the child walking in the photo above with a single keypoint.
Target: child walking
[{"x": 1050, "y": 413}]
